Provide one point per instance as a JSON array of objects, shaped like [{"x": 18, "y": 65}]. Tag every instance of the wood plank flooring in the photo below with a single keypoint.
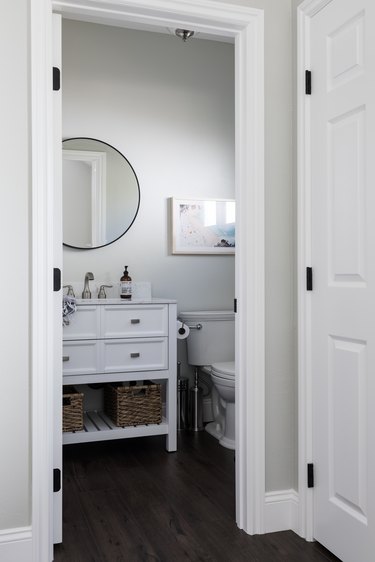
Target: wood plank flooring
[{"x": 130, "y": 501}]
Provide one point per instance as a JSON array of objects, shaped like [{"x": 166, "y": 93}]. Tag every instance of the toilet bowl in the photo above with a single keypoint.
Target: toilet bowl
[
  {"x": 223, "y": 404},
  {"x": 210, "y": 346}
]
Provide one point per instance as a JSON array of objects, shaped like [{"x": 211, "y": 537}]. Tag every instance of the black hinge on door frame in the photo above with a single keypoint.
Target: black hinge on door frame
[
  {"x": 309, "y": 279},
  {"x": 235, "y": 305},
  {"x": 310, "y": 475},
  {"x": 56, "y": 82},
  {"x": 308, "y": 82},
  {"x": 56, "y": 279},
  {"x": 56, "y": 480}
]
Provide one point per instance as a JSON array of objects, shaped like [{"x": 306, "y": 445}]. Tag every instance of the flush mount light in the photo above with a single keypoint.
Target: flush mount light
[{"x": 184, "y": 34}]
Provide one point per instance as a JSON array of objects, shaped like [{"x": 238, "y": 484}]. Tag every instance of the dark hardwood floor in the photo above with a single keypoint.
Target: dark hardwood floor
[{"x": 130, "y": 501}]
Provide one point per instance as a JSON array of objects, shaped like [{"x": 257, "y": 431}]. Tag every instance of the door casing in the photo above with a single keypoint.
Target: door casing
[{"x": 246, "y": 27}]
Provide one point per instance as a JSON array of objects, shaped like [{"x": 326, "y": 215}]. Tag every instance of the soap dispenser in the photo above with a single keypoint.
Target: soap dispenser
[{"x": 126, "y": 285}]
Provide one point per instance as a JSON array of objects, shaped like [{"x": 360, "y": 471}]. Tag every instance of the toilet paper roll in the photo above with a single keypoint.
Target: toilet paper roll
[{"x": 182, "y": 330}]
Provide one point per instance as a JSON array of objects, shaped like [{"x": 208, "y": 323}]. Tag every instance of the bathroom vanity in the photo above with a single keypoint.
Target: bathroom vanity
[{"x": 114, "y": 340}]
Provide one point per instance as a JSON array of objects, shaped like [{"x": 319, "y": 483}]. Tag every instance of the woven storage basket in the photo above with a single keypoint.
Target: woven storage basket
[
  {"x": 72, "y": 409},
  {"x": 133, "y": 405}
]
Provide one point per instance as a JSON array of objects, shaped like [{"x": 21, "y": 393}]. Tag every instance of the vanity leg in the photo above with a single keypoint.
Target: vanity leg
[
  {"x": 171, "y": 391},
  {"x": 171, "y": 442}
]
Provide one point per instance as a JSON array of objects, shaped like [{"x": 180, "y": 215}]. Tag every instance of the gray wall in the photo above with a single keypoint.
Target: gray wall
[
  {"x": 15, "y": 276},
  {"x": 280, "y": 326},
  {"x": 169, "y": 108},
  {"x": 281, "y": 298}
]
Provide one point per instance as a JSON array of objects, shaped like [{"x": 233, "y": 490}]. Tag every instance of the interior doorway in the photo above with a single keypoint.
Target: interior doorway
[{"x": 245, "y": 27}]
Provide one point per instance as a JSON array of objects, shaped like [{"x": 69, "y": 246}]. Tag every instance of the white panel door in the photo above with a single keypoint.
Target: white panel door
[{"x": 343, "y": 260}]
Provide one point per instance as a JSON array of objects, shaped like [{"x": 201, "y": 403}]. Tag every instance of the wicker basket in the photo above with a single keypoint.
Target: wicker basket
[
  {"x": 72, "y": 409},
  {"x": 133, "y": 405}
]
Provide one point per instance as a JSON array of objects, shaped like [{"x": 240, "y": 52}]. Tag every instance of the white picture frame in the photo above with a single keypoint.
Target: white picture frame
[{"x": 203, "y": 226}]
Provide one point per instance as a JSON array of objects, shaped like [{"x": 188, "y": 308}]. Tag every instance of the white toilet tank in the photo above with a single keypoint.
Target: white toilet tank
[{"x": 214, "y": 341}]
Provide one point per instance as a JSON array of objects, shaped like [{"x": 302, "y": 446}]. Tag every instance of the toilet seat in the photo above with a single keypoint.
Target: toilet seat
[{"x": 224, "y": 370}]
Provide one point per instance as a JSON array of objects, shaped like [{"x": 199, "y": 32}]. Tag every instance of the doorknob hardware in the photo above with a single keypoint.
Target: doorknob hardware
[
  {"x": 66, "y": 358},
  {"x": 134, "y": 355}
]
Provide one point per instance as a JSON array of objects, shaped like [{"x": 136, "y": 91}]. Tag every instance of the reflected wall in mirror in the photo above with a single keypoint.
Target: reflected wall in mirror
[{"x": 100, "y": 193}]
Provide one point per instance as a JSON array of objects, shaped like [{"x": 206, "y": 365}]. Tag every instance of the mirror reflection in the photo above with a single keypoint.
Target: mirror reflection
[{"x": 100, "y": 193}]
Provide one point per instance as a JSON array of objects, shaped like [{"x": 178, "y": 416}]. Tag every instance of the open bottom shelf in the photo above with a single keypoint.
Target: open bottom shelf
[{"x": 98, "y": 427}]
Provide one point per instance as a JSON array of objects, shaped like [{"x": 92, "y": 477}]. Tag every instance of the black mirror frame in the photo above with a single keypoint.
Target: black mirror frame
[{"x": 139, "y": 195}]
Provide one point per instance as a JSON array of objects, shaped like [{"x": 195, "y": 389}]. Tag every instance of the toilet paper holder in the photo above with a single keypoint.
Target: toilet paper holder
[{"x": 182, "y": 329}]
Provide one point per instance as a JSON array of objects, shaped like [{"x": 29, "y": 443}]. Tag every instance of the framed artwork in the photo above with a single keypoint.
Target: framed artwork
[{"x": 203, "y": 226}]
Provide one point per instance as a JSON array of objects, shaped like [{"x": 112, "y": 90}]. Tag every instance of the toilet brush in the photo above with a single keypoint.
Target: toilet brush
[{"x": 196, "y": 405}]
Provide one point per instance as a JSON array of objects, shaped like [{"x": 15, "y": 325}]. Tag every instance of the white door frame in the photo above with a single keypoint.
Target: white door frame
[
  {"x": 246, "y": 27},
  {"x": 305, "y": 12}
]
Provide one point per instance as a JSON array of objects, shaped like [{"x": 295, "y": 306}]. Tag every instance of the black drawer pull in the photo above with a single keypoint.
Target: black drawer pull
[
  {"x": 135, "y": 321},
  {"x": 66, "y": 358},
  {"x": 134, "y": 355}
]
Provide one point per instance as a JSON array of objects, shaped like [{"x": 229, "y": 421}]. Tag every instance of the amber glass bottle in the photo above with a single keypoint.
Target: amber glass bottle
[{"x": 126, "y": 285}]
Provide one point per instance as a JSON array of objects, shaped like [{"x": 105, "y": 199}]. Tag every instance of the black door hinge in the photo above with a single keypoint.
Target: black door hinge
[
  {"x": 308, "y": 82},
  {"x": 56, "y": 480},
  {"x": 309, "y": 279},
  {"x": 235, "y": 305},
  {"x": 56, "y": 279},
  {"x": 310, "y": 475},
  {"x": 56, "y": 79}
]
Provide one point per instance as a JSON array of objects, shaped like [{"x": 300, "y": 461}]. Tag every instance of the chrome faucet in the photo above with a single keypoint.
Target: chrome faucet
[
  {"x": 70, "y": 292},
  {"x": 102, "y": 293},
  {"x": 86, "y": 294}
]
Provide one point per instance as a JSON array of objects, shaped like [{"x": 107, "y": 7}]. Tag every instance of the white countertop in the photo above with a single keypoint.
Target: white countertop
[{"x": 125, "y": 302}]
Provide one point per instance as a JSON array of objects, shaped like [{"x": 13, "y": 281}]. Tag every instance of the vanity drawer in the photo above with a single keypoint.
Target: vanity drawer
[
  {"x": 133, "y": 321},
  {"x": 136, "y": 354},
  {"x": 84, "y": 324},
  {"x": 80, "y": 358}
]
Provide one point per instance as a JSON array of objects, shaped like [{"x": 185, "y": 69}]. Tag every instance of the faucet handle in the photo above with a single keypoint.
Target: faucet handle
[
  {"x": 70, "y": 292},
  {"x": 102, "y": 293}
]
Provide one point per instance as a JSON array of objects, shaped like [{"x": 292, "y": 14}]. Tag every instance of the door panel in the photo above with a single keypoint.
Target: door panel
[
  {"x": 345, "y": 141},
  {"x": 347, "y": 425},
  {"x": 343, "y": 259}
]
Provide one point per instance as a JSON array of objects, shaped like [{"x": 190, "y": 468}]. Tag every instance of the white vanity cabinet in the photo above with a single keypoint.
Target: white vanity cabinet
[{"x": 113, "y": 340}]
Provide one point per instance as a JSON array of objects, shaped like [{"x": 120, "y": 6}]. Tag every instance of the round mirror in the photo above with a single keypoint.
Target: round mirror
[{"x": 100, "y": 193}]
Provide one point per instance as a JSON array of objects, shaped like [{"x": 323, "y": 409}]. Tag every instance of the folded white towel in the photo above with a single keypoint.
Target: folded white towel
[{"x": 69, "y": 306}]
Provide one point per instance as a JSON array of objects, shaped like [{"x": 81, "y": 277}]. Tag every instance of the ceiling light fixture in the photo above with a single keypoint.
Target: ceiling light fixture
[{"x": 184, "y": 34}]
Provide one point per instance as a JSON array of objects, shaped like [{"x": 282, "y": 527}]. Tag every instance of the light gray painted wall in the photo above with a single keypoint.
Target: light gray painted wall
[
  {"x": 169, "y": 108},
  {"x": 14, "y": 279},
  {"x": 281, "y": 373},
  {"x": 281, "y": 300}
]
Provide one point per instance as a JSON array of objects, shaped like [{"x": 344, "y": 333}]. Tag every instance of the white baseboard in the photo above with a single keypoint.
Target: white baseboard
[
  {"x": 281, "y": 511},
  {"x": 16, "y": 545}
]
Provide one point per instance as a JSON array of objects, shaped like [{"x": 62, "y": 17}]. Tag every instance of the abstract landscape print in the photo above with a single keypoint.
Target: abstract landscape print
[{"x": 203, "y": 226}]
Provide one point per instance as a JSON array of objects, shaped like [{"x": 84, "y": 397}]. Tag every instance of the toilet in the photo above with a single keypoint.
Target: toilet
[{"x": 210, "y": 346}]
